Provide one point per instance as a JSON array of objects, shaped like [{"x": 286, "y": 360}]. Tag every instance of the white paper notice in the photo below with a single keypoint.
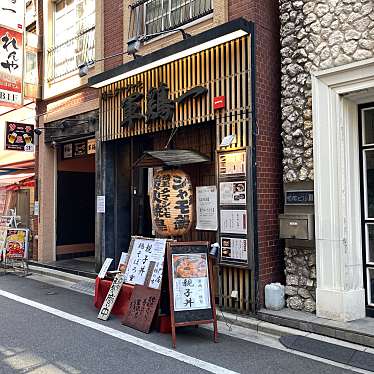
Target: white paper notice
[
  {"x": 234, "y": 221},
  {"x": 105, "y": 268},
  {"x": 190, "y": 282},
  {"x": 100, "y": 204},
  {"x": 233, "y": 193},
  {"x": 206, "y": 208},
  {"x": 232, "y": 163}
]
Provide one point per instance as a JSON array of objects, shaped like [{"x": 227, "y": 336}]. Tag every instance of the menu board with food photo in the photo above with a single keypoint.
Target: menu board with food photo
[
  {"x": 234, "y": 250},
  {"x": 191, "y": 282},
  {"x": 19, "y": 136},
  {"x": 233, "y": 193},
  {"x": 17, "y": 243}
]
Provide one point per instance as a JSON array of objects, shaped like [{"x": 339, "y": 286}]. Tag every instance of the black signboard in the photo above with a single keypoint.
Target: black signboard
[
  {"x": 19, "y": 137},
  {"x": 191, "y": 283},
  {"x": 301, "y": 197},
  {"x": 78, "y": 148}
]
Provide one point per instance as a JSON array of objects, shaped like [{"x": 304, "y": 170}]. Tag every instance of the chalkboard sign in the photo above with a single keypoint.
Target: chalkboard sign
[
  {"x": 191, "y": 286},
  {"x": 301, "y": 197}
]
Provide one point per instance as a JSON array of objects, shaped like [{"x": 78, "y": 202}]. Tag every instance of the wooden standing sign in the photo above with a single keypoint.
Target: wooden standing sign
[
  {"x": 142, "y": 308},
  {"x": 191, "y": 286}
]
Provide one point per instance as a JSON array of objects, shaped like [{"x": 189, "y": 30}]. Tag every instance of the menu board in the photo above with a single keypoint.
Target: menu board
[
  {"x": 206, "y": 208},
  {"x": 234, "y": 249},
  {"x": 190, "y": 282},
  {"x": 233, "y": 221},
  {"x": 17, "y": 243},
  {"x": 19, "y": 137},
  {"x": 145, "y": 262},
  {"x": 233, "y": 193},
  {"x": 232, "y": 163}
]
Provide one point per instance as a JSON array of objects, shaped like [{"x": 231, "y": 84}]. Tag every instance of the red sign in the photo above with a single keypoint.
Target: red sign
[
  {"x": 219, "y": 102},
  {"x": 11, "y": 67}
]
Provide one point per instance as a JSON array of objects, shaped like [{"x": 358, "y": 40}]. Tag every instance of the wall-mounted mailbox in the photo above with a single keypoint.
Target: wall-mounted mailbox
[{"x": 296, "y": 226}]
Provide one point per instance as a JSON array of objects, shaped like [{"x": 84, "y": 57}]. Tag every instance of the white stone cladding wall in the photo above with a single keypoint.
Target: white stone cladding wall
[{"x": 315, "y": 34}]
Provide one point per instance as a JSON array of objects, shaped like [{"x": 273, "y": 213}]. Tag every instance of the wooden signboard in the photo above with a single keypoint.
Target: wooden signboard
[
  {"x": 111, "y": 297},
  {"x": 191, "y": 286},
  {"x": 142, "y": 308}
]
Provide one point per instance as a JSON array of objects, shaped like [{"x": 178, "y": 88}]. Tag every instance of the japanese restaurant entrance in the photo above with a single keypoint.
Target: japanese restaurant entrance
[{"x": 175, "y": 156}]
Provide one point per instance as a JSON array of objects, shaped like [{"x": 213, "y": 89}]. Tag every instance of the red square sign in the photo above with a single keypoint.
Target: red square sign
[{"x": 219, "y": 102}]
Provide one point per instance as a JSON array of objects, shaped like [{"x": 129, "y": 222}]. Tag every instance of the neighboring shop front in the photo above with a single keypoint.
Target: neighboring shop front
[
  {"x": 187, "y": 109},
  {"x": 71, "y": 143}
]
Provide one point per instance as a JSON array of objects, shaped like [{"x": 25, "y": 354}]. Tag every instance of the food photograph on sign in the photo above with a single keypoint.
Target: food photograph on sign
[
  {"x": 190, "y": 282},
  {"x": 234, "y": 249},
  {"x": 19, "y": 137},
  {"x": 233, "y": 193},
  {"x": 16, "y": 243}
]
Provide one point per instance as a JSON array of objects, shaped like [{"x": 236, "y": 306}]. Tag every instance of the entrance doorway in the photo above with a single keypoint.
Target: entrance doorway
[
  {"x": 366, "y": 121},
  {"x": 75, "y": 208}
]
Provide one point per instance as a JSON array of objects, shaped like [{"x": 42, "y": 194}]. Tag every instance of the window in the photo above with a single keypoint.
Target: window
[
  {"x": 162, "y": 15},
  {"x": 73, "y": 36}
]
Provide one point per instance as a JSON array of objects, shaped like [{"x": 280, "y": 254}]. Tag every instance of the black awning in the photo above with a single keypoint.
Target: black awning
[{"x": 170, "y": 157}]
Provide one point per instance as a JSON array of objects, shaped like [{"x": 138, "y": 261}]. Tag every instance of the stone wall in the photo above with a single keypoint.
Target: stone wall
[
  {"x": 315, "y": 34},
  {"x": 300, "y": 279}
]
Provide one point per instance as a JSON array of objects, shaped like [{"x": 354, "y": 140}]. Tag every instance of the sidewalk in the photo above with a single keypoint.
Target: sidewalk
[{"x": 279, "y": 323}]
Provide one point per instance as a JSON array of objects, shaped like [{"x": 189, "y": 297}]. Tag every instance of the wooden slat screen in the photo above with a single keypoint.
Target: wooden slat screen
[{"x": 224, "y": 70}]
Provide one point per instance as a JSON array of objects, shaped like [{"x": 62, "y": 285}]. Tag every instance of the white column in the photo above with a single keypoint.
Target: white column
[{"x": 340, "y": 293}]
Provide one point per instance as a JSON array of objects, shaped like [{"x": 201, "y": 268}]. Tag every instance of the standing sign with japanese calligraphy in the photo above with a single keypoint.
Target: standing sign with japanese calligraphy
[
  {"x": 191, "y": 286},
  {"x": 145, "y": 262},
  {"x": 19, "y": 137},
  {"x": 142, "y": 308}
]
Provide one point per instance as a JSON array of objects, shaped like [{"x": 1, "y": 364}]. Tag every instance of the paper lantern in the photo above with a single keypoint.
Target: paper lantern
[{"x": 172, "y": 202}]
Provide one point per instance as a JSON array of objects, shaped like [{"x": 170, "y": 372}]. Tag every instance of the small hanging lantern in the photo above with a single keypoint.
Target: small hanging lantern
[{"x": 172, "y": 202}]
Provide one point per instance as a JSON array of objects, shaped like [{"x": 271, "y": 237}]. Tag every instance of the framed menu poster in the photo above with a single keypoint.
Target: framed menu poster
[
  {"x": 232, "y": 163},
  {"x": 233, "y": 221},
  {"x": 233, "y": 193},
  {"x": 234, "y": 250}
]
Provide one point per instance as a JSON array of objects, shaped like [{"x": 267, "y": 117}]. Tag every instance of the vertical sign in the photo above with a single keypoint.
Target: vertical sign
[{"x": 11, "y": 67}]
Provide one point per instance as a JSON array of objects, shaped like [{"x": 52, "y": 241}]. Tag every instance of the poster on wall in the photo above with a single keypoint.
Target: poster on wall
[
  {"x": 17, "y": 243},
  {"x": 11, "y": 67},
  {"x": 234, "y": 249},
  {"x": 234, "y": 221},
  {"x": 206, "y": 208},
  {"x": 233, "y": 193},
  {"x": 190, "y": 282},
  {"x": 145, "y": 262},
  {"x": 232, "y": 163},
  {"x": 19, "y": 137}
]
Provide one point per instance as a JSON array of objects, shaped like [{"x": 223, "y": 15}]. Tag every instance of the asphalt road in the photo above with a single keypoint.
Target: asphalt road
[{"x": 38, "y": 339}]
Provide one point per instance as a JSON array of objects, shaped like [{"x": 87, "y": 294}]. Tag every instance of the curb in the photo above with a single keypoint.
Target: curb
[
  {"x": 258, "y": 325},
  {"x": 59, "y": 274}
]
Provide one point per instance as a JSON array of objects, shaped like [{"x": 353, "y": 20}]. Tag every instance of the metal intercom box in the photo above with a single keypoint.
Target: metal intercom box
[{"x": 296, "y": 226}]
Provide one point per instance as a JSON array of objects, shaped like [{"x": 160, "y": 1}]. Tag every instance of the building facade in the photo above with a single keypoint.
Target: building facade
[
  {"x": 327, "y": 119},
  {"x": 226, "y": 58}
]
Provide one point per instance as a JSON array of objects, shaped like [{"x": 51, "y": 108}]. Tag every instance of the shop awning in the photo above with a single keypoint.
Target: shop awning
[
  {"x": 14, "y": 181},
  {"x": 170, "y": 157}
]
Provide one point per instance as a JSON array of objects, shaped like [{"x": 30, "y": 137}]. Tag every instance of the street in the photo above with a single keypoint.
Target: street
[{"x": 49, "y": 329}]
